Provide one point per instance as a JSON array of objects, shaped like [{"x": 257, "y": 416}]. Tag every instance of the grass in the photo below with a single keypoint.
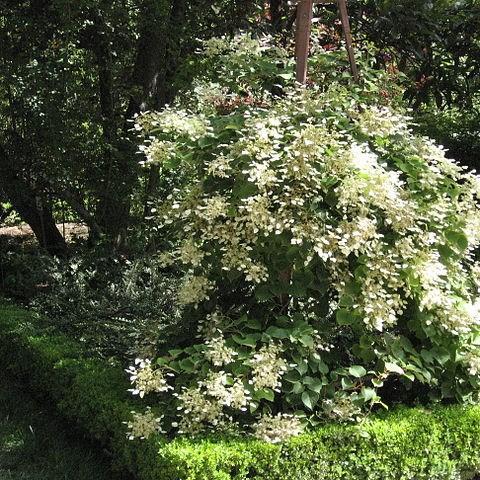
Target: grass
[{"x": 36, "y": 445}]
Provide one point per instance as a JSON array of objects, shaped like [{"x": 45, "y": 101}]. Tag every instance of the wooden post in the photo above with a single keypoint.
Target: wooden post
[
  {"x": 302, "y": 40},
  {"x": 342, "y": 6}
]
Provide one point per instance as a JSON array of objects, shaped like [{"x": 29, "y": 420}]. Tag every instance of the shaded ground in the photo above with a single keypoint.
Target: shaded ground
[
  {"x": 68, "y": 230},
  {"x": 36, "y": 445}
]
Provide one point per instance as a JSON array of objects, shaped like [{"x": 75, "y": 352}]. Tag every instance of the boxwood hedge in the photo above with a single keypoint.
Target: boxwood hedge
[{"x": 408, "y": 443}]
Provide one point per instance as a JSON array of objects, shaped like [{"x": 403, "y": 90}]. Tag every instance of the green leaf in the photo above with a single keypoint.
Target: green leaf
[
  {"x": 232, "y": 126},
  {"x": 233, "y": 275},
  {"x": 394, "y": 368},
  {"x": 303, "y": 278},
  {"x": 427, "y": 356},
  {"x": 301, "y": 325},
  {"x": 368, "y": 394},
  {"x": 187, "y": 365},
  {"x": 298, "y": 388},
  {"x": 205, "y": 142},
  {"x": 445, "y": 252},
  {"x": 254, "y": 324},
  {"x": 297, "y": 291},
  {"x": 248, "y": 340},
  {"x": 307, "y": 341},
  {"x": 292, "y": 376},
  {"x": 353, "y": 288},
  {"x": 442, "y": 355},
  {"x": 302, "y": 367},
  {"x": 264, "y": 394},
  {"x": 239, "y": 369},
  {"x": 347, "y": 383},
  {"x": 175, "y": 352},
  {"x": 310, "y": 399},
  {"x": 344, "y": 317},
  {"x": 323, "y": 367},
  {"x": 357, "y": 371},
  {"x": 458, "y": 239},
  {"x": 172, "y": 162},
  {"x": 314, "y": 384},
  {"x": 346, "y": 301},
  {"x": 292, "y": 252},
  {"x": 263, "y": 293},
  {"x": 276, "y": 332},
  {"x": 243, "y": 189}
]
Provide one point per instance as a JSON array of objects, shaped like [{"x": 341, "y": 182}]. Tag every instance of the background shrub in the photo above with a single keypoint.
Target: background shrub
[{"x": 115, "y": 306}]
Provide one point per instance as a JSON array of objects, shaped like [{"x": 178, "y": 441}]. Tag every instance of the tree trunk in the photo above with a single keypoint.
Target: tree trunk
[
  {"x": 157, "y": 54},
  {"x": 115, "y": 188},
  {"x": 29, "y": 205},
  {"x": 155, "y": 67},
  {"x": 41, "y": 221},
  {"x": 156, "y": 61},
  {"x": 276, "y": 14}
]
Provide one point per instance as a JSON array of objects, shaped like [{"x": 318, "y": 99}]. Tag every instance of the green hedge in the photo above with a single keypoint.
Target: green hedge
[{"x": 442, "y": 443}]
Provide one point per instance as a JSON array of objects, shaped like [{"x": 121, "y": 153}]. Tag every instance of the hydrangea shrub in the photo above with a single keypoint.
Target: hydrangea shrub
[{"x": 328, "y": 251}]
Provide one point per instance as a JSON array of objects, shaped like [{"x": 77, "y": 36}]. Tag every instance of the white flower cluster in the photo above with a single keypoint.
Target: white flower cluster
[
  {"x": 218, "y": 353},
  {"x": 439, "y": 164},
  {"x": 203, "y": 405},
  {"x": 229, "y": 394},
  {"x": 457, "y": 316},
  {"x": 146, "y": 379},
  {"x": 473, "y": 363},
  {"x": 190, "y": 254},
  {"x": 472, "y": 229},
  {"x": 159, "y": 151},
  {"x": 241, "y": 45},
  {"x": 144, "y": 425},
  {"x": 213, "y": 208},
  {"x": 438, "y": 296},
  {"x": 432, "y": 274},
  {"x": 219, "y": 167},
  {"x": 194, "y": 289},
  {"x": 341, "y": 408},
  {"x": 475, "y": 273},
  {"x": 382, "y": 121},
  {"x": 197, "y": 410},
  {"x": 278, "y": 428},
  {"x": 207, "y": 95},
  {"x": 173, "y": 121},
  {"x": 210, "y": 326},
  {"x": 216, "y": 46},
  {"x": 268, "y": 368},
  {"x": 363, "y": 159},
  {"x": 381, "y": 301},
  {"x": 289, "y": 176}
]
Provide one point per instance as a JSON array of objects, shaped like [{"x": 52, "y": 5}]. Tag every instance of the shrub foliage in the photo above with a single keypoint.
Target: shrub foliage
[{"x": 327, "y": 250}]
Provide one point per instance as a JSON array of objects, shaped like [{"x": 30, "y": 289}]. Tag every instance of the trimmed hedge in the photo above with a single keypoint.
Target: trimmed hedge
[{"x": 421, "y": 444}]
